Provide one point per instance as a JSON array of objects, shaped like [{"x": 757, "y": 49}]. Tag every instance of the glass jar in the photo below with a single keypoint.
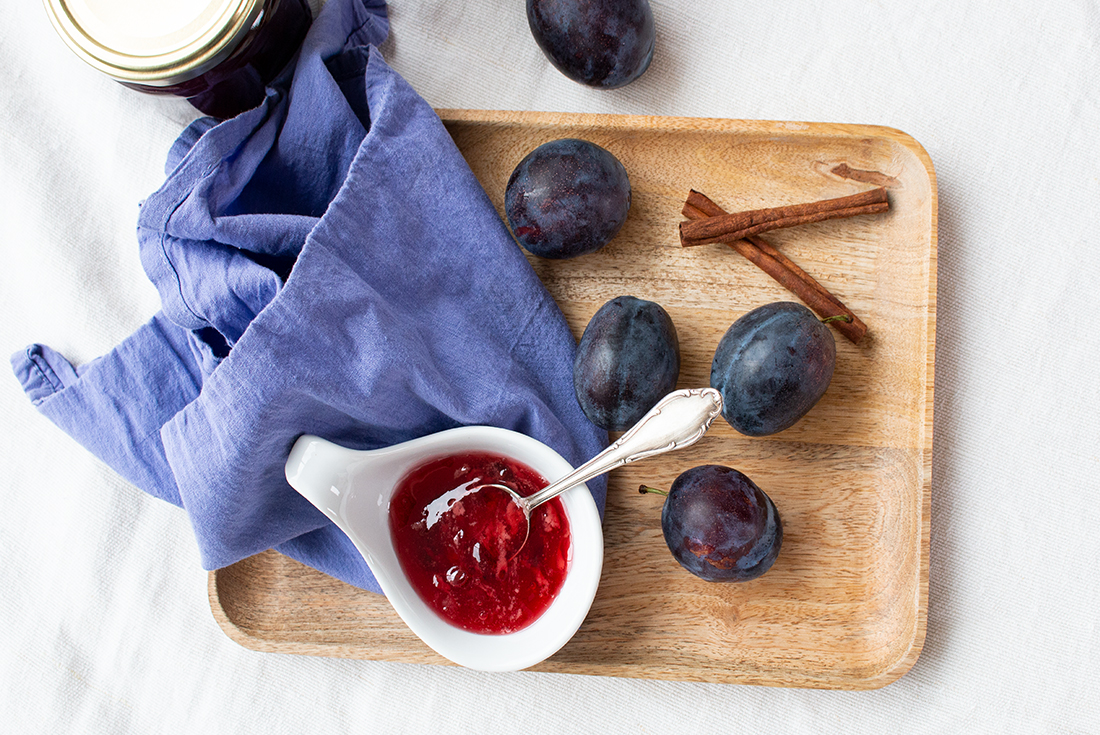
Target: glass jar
[{"x": 219, "y": 54}]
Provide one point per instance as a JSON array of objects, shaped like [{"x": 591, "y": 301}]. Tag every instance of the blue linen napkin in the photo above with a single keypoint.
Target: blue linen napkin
[{"x": 327, "y": 264}]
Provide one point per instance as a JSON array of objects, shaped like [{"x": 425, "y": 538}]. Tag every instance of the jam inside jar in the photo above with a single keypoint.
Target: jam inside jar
[{"x": 218, "y": 54}]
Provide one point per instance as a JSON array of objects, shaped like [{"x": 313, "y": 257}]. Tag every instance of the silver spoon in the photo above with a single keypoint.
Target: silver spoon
[{"x": 678, "y": 420}]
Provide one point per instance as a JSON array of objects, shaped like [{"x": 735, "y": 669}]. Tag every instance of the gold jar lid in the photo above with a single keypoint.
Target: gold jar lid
[{"x": 153, "y": 42}]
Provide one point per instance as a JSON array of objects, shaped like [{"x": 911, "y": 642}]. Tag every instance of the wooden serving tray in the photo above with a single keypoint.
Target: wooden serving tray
[{"x": 844, "y": 606}]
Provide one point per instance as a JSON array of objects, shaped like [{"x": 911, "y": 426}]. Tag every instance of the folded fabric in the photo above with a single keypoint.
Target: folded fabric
[{"x": 327, "y": 264}]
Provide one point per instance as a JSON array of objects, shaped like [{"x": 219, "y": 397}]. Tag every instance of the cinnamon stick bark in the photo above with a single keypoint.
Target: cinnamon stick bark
[
  {"x": 762, "y": 254},
  {"x": 754, "y": 222}
]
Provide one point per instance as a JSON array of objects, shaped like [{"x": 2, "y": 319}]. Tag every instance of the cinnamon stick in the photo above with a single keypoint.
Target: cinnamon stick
[
  {"x": 762, "y": 254},
  {"x": 754, "y": 222},
  {"x": 702, "y": 206}
]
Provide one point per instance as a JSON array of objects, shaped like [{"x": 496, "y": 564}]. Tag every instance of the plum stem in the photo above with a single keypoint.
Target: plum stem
[
  {"x": 837, "y": 318},
  {"x": 643, "y": 489}
]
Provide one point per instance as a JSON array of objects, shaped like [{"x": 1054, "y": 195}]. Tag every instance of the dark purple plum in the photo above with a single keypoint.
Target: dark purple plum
[
  {"x": 601, "y": 43},
  {"x": 627, "y": 360},
  {"x": 772, "y": 366},
  {"x": 566, "y": 198},
  {"x": 720, "y": 526}
]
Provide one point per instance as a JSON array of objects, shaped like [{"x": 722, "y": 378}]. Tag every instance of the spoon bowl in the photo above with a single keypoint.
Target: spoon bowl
[{"x": 354, "y": 489}]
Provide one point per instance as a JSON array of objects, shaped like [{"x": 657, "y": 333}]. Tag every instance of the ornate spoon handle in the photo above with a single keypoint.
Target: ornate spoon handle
[{"x": 678, "y": 420}]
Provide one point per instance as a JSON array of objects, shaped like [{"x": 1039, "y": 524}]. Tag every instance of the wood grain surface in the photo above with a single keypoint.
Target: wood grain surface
[{"x": 845, "y": 604}]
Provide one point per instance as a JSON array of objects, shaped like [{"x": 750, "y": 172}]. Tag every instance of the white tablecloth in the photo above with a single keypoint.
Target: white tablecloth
[{"x": 105, "y": 620}]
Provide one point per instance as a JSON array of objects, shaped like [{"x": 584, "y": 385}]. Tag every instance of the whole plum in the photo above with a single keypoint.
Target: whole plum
[
  {"x": 566, "y": 198},
  {"x": 601, "y": 43},
  {"x": 719, "y": 525},
  {"x": 627, "y": 360},
  {"x": 772, "y": 366}
]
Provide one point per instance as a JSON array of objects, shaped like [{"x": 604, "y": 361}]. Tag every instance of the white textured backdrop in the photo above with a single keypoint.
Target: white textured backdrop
[{"x": 103, "y": 609}]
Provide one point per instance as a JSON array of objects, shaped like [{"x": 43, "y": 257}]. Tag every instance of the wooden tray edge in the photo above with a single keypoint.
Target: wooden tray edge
[
  {"x": 619, "y": 122},
  {"x": 908, "y": 659}
]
